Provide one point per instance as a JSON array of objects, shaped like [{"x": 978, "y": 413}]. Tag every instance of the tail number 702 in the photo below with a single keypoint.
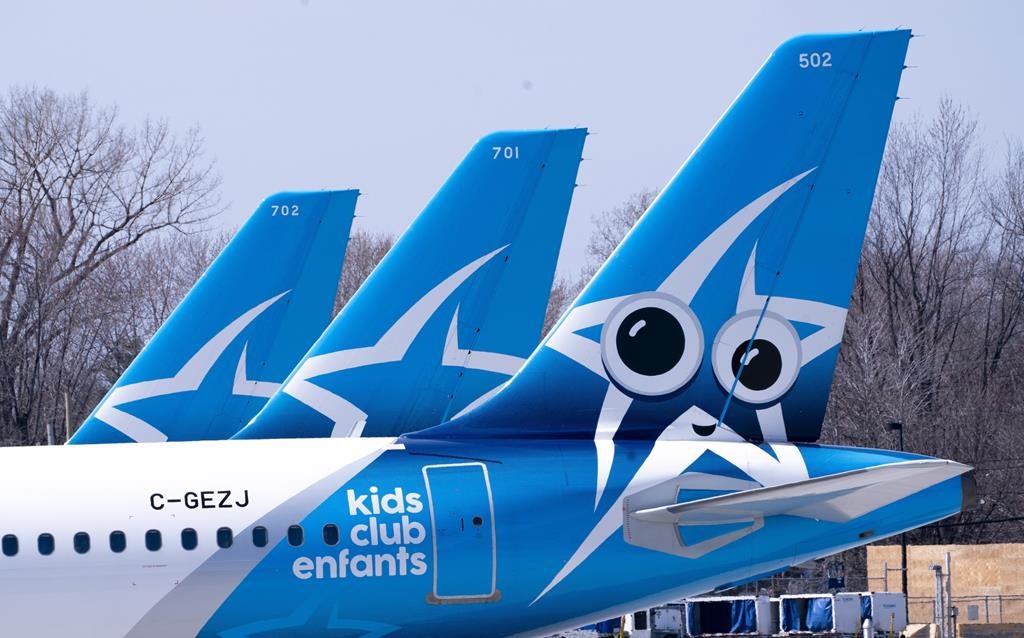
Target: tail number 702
[
  {"x": 815, "y": 60},
  {"x": 284, "y": 210}
]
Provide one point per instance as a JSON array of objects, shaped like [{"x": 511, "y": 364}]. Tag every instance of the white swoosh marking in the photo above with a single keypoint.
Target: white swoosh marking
[
  {"x": 187, "y": 379},
  {"x": 391, "y": 347}
]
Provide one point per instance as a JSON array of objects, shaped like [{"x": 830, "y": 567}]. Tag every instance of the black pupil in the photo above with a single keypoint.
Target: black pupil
[
  {"x": 764, "y": 364},
  {"x": 650, "y": 341}
]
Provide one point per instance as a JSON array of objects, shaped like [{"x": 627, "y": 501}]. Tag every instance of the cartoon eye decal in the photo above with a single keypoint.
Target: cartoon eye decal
[
  {"x": 652, "y": 344},
  {"x": 773, "y": 357}
]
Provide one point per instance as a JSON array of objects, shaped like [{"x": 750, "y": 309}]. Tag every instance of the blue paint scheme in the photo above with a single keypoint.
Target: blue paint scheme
[
  {"x": 514, "y": 207},
  {"x": 542, "y": 510},
  {"x": 821, "y": 131},
  {"x": 553, "y": 465},
  {"x": 801, "y": 145},
  {"x": 308, "y": 248}
]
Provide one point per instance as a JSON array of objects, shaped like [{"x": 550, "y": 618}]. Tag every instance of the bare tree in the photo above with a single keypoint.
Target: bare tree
[
  {"x": 611, "y": 226},
  {"x": 563, "y": 293},
  {"x": 77, "y": 189},
  {"x": 141, "y": 288},
  {"x": 364, "y": 252},
  {"x": 936, "y": 314}
]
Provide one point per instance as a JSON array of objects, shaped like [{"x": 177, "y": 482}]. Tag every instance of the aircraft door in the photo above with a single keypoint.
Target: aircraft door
[{"x": 462, "y": 522}]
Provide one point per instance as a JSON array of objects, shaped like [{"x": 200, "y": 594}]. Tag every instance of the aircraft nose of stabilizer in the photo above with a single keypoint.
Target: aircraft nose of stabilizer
[{"x": 968, "y": 491}]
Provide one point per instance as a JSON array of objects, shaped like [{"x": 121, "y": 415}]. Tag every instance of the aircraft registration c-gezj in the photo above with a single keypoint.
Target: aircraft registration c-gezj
[{"x": 420, "y": 466}]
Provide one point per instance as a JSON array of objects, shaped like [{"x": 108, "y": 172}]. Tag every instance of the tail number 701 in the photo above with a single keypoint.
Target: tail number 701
[{"x": 505, "y": 152}]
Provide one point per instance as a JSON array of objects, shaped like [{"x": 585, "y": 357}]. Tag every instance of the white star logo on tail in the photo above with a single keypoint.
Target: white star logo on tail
[
  {"x": 187, "y": 379},
  {"x": 348, "y": 418},
  {"x": 683, "y": 283}
]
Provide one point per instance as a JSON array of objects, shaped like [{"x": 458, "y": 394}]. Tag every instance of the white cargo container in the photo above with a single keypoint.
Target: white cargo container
[
  {"x": 667, "y": 620},
  {"x": 887, "y": 610},
  {"x": 659, "y": 622}
]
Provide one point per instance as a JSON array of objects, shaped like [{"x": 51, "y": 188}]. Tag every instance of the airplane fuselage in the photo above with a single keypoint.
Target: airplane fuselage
[{"x": 383, "y": 537}]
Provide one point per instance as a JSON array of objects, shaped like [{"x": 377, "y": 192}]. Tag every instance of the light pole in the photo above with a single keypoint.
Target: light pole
[{"x": 895, "y": 426}]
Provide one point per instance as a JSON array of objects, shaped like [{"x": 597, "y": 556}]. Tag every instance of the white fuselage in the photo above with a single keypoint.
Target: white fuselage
[{"x": 165, "y": 487}]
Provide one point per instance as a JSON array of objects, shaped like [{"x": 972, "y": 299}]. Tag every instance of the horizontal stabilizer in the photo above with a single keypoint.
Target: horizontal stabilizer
[{"x": 837, "y": 498}]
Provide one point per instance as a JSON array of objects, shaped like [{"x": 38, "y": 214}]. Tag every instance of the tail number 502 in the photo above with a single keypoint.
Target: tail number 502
[{"x": 815, "y": 60}]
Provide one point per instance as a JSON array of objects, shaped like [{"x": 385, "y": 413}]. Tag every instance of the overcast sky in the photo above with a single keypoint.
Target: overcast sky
[{"x": 388, "y": 96}]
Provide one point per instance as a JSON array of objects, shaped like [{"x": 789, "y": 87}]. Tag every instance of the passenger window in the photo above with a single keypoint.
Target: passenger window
[
  {"x": 117, "y": 542},
  {"x": 224, "y": 537},
  {"x": 189, "y": 538},
  {"x": 331, "y": 535},
  {"x": 10, "y": 545},
  {"x": 295, "y": 535},
  {"x": 259, "y": 536},
  {"x": 81, "y": 542},
  {"x": 153, "y": 540},
  {"x": 45, "y": 544}
]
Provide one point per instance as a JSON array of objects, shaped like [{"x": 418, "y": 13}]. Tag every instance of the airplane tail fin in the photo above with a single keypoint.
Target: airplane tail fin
[
  {"x": 724, "y": 307},
  {"x": 244, "y": 325},
  {"x": 453, "y": 309}
]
